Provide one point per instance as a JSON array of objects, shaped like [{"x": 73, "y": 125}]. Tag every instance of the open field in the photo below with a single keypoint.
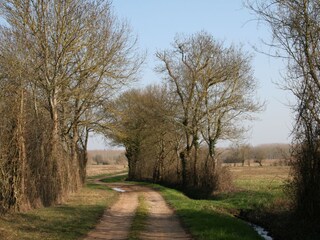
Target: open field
[
  {"x": 94, "y": 170},
  {"x": 107, "y": 157},
  {"x": 261, "y": 198},
  {"x": 266, "y": 173},
  {"x": 256, "y": 187}
]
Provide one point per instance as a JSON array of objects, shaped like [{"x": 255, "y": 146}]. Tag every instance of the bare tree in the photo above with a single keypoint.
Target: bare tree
[
  {"x": 98, "y": 159},
  {"x": 240, "y": 152},
  {"x": 72, "y": 56},
  {"x": 258, "y": 155},
  {"x": 214, "y": 88},
  {"x": 295, "y": 26}
]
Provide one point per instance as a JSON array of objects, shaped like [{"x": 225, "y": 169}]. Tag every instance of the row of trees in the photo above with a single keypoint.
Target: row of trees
[
  {"x": 170, "y": 131},
  {"x": 245, "y": 154},
  {"x": 107, "y": 157},
  {"x": 60, "y": 62}
]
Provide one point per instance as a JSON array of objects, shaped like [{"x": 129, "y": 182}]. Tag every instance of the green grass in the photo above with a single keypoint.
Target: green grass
[
  {"x": 139, "y": 220},
  {"x": 255, "y": 190},
  {"x": 210, "y": 219},
  {"x": 206, "y": 219},
  {"x": 67, "y": 221},
  {"x": 251, "y": 194},
  {"x": 106, "y": 175},
  {"x": 114, "y": 179}
]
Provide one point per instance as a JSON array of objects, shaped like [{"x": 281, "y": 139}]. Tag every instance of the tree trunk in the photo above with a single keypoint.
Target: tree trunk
[
  {"x": 83, "y": 160},
  {"x": 195, "y": 165},
  {"x": 212, "y": 153},
  {"x": 75, "y": 164},
  {"x": 22, "y": 152},
  {"x": 132, "y": 154},
  {"x": 184, "y": 158},
  {"x": 56, "y": 189}
]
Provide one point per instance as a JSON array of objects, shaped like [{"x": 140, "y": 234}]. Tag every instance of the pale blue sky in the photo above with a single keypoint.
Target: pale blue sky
[{"x": 156, "y": 22}]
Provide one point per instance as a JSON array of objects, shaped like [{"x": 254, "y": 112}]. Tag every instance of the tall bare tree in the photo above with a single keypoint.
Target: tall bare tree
[
  {"x": 214, "y": 87},
  {"x": 72, "y": 55},
  {"x": 295, "y": 27}
]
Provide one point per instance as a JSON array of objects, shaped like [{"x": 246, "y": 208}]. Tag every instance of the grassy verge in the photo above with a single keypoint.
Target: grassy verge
[
  {"x": 206, "y": 219},
  {"x": 68, "y": 221},
  {"x": 139, "y": 220}
]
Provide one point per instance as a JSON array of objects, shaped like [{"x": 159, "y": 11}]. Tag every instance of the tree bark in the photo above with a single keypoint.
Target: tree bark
[{"x": 22, "y": 149}]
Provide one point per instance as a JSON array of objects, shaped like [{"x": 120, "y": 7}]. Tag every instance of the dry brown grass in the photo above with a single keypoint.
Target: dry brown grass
[
  {"x": 78, "y": 214},
  {"x": 256, "y": 172},
  {"x": 68, "y": 221},
  {"x": 93, "y": 170}
]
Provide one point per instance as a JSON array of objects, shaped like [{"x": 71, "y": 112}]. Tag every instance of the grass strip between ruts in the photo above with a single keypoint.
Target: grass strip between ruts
[{"x": 139, "y": 220}]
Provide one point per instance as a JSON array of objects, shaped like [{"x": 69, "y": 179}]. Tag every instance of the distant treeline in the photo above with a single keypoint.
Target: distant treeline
[
  {"x": 106, "y": 157},
  {"x": 246, "y": 154}
]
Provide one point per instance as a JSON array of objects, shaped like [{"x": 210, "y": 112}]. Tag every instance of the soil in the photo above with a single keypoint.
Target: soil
[{"x": 162, "y": 222}]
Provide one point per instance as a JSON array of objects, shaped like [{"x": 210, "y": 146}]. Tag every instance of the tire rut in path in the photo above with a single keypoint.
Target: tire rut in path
[
  {"x": 116, "y": 221},
  {"x": 162, "y": 222}
]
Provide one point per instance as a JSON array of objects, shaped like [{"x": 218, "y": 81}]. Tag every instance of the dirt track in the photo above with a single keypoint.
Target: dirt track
[{"x": 162, "y": 223}]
